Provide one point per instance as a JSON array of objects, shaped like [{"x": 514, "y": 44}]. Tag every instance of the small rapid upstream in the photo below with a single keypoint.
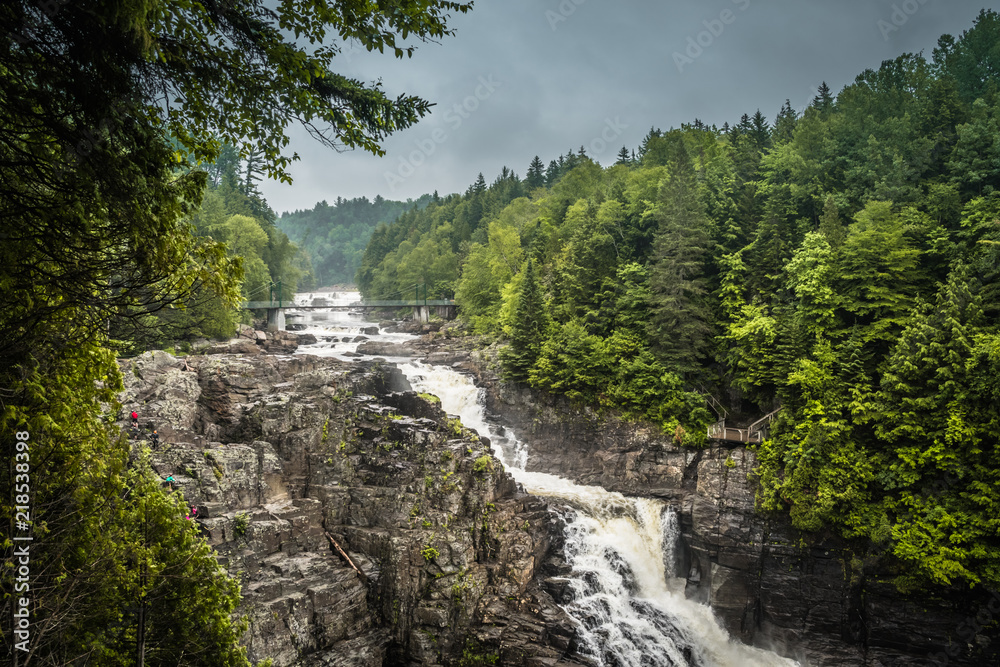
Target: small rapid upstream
[{"x": 625, "y": 594}]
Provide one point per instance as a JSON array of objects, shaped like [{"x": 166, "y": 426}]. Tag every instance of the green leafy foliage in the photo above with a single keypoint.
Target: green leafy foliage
[
  {"x": 114, "y": 119},
  {"x": 787, "y": 266},
  {"x": 530, "y": 322}
]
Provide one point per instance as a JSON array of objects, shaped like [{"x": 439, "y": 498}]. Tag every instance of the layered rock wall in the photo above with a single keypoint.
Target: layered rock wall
[
  {"x": 365, "y": 527},
  {"x": 816, "y": 598}
]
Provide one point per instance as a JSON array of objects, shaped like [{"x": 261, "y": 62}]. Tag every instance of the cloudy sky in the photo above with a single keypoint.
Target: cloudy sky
[{"x": 541, "y": 77}]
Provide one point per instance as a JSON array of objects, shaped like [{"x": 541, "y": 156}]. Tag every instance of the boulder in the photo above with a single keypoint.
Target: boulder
[{"x": 381, "y": 348}]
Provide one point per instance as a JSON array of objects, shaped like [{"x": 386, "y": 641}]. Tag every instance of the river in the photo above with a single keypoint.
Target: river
[{"x": 628, "y": 599}]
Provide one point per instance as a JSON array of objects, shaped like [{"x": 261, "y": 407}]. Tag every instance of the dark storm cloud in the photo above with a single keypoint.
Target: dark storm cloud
[{"x": 542, "y": 77}]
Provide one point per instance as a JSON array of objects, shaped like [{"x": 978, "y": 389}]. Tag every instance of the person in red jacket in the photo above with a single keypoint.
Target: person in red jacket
[{"x": 135, "y": 418}]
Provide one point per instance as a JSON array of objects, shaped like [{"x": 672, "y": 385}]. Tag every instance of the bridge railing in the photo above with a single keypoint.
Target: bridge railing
[
  {"x": 403, "y": 302},
  {"x": 255, "y": 305},
  {"x": 755, "y": 432},
  {"x": 719, "y": 431}
]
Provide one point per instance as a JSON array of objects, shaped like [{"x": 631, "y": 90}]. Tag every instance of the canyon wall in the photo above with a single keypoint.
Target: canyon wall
[
  {"x": 365, "y": 527},
  {"x": 816, "y": 598}
]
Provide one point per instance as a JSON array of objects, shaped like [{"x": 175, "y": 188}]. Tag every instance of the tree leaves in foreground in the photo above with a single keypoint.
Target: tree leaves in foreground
[{"x": 106, "y": 109}]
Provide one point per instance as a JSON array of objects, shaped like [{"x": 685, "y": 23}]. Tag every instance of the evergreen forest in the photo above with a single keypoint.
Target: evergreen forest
[
  {"x": 837, "y": 264},
  {"x": 333, "y": 238}
]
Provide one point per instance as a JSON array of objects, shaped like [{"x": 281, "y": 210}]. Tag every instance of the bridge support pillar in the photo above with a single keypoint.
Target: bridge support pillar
[
  {"x": 445, "y": 312},
  {"x": 423, "y": 314},
  {"x": 275, "y": 319}
]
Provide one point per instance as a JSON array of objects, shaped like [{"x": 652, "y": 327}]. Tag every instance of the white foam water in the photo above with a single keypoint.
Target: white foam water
[
  {"x": 623, "y": 590},
  {"x": 623, "y": 554}
]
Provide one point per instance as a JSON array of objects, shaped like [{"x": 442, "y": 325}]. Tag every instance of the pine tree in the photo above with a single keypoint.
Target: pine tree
[
  {"x": 830, "y": 224},
  {"x": 623, "y": 156},
  {"x": 784, "y": 124},
  {"x": 536, "y": 174},
  {"x": 679, "y": 315},
  {"x": 530, "y": 325},
  {"x": 760, "y": 131},
  {"x": 553, "y": 172},
  {"x": 823, "y": 102}
]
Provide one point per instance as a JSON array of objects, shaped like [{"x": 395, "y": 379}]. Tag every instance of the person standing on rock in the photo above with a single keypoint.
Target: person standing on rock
[
  {"x": 135, "y": 418},
  {"x": 155, "y": 438}
]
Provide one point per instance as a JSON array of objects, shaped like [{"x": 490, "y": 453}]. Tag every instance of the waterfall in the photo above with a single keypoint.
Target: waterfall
[
  {"x": 622, "y": 551},
  {"x": 671, "y": 538}
]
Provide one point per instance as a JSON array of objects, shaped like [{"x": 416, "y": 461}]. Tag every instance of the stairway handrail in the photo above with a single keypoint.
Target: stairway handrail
[
  {"x": 713, "y": 403},
  {"x": 765, "y": 419}
]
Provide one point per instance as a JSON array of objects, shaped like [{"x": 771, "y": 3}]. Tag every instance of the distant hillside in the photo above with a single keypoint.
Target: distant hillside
[{"x": 334, "y": 237}]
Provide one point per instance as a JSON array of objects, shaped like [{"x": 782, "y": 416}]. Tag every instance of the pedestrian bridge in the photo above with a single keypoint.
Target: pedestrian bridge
[{"x": 422, "y": 308}]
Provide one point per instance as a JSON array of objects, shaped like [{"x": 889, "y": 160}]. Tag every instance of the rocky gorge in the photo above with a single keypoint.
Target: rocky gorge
[
  {"x": 367, "y": 527},
  {"x": 817, "y": 598}
]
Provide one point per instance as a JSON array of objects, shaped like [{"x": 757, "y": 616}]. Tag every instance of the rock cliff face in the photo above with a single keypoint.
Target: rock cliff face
[
  {"x": 814, "y": 599},
  {"x": 366, "y": 527}
]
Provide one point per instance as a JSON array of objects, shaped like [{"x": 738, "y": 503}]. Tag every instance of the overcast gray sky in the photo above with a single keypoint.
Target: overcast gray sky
[{"x": 540, "y": 77}]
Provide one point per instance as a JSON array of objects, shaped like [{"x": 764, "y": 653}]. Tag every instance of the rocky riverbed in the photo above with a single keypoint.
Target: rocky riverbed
[{"x": 367, "y": 528}]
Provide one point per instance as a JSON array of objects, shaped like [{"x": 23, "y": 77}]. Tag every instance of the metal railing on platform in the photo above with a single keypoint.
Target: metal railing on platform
[
  {"x": 755, "y": 432},
  {"x": 719, "y": 431}
]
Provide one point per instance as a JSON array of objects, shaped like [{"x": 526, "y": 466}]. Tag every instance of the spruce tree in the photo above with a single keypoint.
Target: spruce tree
[
  {"x": 553, "y": 172},
  {"x": 536, "y": 174},
  {"x": 623, "y": 156},
  {"x": 823, "y": 102},
  {"x": 680, "y": 319},
  {"x": 830, "y": 224},
  {"x": 650, "y": 136},
  {"x": 530, "y": 324},
  {"x": 773, "y": 245},
  {"x": 760, "y": 131},
  {"x": 784, "y": 124}
]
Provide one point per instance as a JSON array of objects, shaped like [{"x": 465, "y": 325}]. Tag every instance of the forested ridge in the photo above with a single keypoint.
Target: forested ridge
[
  {"x": 839, "y": 263},
  {"x": 333, "y": 237}
]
